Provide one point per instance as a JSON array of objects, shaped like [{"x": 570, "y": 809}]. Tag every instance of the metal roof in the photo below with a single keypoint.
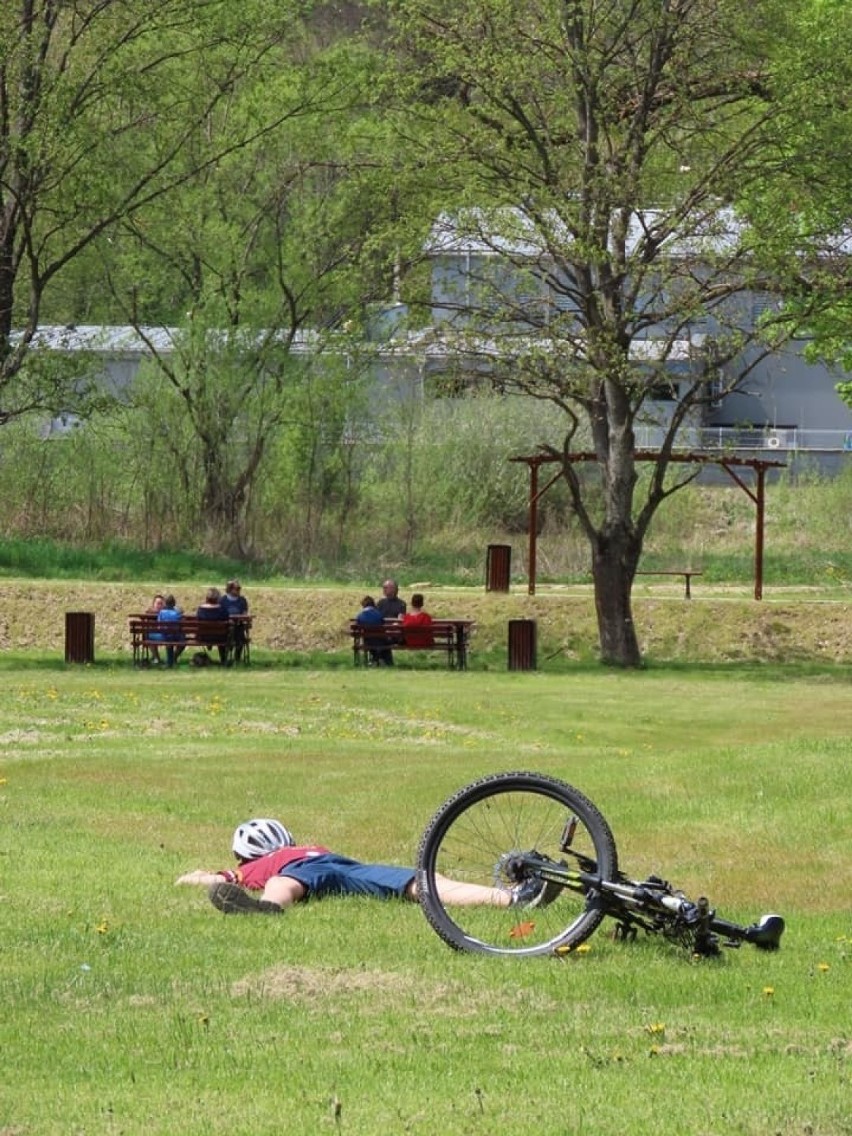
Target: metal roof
[
  {"x": 124, "y": 340},
  {"x": 512, "y": 232}
]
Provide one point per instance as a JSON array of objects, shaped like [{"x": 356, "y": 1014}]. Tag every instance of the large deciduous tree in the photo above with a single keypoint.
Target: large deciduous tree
[
  {"x": 101, "y": 102},
  {"x": 597, "y": 160},
  {"x": 256, "y": 264}
]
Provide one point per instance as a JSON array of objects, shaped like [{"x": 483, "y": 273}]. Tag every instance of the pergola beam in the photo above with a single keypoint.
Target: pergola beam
[{"x": 727, "y": 462}]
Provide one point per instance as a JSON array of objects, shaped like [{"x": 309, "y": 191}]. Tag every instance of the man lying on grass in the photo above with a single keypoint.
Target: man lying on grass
[{"x": 270, "y": 862}]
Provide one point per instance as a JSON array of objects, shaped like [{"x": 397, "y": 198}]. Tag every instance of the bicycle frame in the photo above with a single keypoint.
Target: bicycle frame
[{"x": 653, "y": 905}]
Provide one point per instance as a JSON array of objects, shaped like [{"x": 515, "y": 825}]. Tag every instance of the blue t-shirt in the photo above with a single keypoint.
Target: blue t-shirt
[
  {"x": 369, "y": 615},
  {"x": 171, "y": 615}
]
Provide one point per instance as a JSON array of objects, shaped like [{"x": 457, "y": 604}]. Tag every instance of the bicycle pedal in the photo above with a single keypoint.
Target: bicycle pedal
[{"x": 706, "y": 947}]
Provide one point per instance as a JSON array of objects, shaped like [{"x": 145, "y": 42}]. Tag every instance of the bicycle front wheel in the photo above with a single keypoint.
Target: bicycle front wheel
[{"x": 478, "y": 837}]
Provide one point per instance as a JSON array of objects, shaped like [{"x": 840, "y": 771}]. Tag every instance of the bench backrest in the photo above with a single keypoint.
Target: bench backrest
[
  {"x": 439, "y": 633},
  {"x": 187, "y": 627}
]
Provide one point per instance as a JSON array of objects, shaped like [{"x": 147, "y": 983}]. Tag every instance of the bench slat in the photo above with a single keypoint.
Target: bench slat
[{"x": 452, "y": 636}]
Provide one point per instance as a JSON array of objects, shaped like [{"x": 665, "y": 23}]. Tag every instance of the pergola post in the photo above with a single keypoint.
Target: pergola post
[
  {"x": 533, "y": 528},
  {"x": 758, "y": 536},
  {"x": 758, "y": 495}
]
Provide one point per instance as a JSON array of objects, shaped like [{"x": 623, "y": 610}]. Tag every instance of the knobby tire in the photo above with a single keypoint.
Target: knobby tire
[{"x": 472, "y": 837}]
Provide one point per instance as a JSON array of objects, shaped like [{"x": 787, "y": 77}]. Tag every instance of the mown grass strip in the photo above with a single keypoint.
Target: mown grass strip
[{"x": 130, "y": 1005}]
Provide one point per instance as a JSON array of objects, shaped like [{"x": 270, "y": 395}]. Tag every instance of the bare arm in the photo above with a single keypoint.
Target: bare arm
[{"x": 201, "y": 877}]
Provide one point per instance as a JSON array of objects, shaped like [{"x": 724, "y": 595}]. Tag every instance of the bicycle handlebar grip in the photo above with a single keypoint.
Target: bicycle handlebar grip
[{"x": 766, "y": 933}]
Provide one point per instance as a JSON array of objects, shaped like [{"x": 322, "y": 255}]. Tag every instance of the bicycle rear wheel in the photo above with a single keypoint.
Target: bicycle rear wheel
[{"x": 476, "y": 837}]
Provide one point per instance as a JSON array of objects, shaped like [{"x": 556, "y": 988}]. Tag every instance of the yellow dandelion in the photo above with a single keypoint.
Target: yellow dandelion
[
  {"x": 102, "y": 928},
  {"x": 823, "y": 967},
  {"x": 768, "y": 991},
  {"x": 656, "y": 1027},
  {"x": 653, "y": 1051},
  {"x": 583, "y": 949},
  {"x": 3, "y": 781}
]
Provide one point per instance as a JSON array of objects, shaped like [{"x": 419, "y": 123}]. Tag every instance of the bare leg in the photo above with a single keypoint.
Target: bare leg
[
  {"x": 279, "y": 893},
  {"x": 457, "y": 894},
  {"x": 283, "y": 890}
]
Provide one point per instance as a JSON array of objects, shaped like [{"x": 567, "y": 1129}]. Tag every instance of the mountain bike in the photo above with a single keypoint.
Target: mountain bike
[{"x": 552, "y": 857}]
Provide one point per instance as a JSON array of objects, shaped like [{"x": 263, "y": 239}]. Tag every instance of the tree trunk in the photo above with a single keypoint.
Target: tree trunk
[
  {"x": 222, "y": 504},
  {"x": 614, "y": 560}
]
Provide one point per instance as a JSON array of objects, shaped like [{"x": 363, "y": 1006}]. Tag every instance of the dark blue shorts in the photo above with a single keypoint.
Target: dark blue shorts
[{"x": 330, "y": 874}]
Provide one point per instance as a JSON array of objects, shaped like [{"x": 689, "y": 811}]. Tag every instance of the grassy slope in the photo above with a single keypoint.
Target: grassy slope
[{"x": 718, "y": 624}]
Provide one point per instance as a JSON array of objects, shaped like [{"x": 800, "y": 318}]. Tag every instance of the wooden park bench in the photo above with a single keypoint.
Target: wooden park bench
[
  {"x": 193, "y": 635},
  {"x": 687, "y": 573},
  {"x": 451, "y": 636}
]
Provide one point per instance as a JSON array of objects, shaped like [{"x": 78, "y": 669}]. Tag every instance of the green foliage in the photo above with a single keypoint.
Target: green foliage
[
  {"x": 262, "y": 250},
  {"x": 102, "y": 121},
  {"x": 121, "y": 492},
  {"x": 50, "y": 560},
  {"x": 275, "y": 171},
  {"x": 311, "y": 476},
  {"x": 453, "y": 467},
  {"x": 801, "y": 212},
  {"x": 845, "y": 392}
]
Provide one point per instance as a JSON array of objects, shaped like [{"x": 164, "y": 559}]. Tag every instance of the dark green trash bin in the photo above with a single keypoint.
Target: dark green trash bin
[
  {"x": 498, "y": 567},
  {"x": 522, "y": 644},
  {"x": 79, "y": 637}
]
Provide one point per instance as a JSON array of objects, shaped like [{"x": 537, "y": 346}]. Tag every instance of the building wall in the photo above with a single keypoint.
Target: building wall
[{"x": 785, "y": 391}]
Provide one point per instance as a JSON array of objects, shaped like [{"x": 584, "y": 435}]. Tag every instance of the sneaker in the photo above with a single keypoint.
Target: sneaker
[
  {"x": 232, "y": 900},
  {"x": 534, "y": 893}
]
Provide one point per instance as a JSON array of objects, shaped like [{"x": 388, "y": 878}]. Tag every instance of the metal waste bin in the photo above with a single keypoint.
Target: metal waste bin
[
  {"x": 498, "y": 567},
  {"x": 79, "y": 637},
  {"x": 522, "y": 644}
]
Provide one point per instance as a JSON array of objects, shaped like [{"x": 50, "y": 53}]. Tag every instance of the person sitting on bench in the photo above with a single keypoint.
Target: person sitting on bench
[{"x": 416, "y": 624}]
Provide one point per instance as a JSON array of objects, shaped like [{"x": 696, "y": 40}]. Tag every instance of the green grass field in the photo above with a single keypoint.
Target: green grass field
[{"x": 131, "y": 1006}]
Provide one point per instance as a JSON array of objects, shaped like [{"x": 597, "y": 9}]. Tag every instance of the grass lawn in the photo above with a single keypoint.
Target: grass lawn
[{"x": 131, "y": 1006}]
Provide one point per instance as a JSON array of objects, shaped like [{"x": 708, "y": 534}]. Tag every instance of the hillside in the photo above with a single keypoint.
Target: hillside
[{"x": 717, "y": 625}]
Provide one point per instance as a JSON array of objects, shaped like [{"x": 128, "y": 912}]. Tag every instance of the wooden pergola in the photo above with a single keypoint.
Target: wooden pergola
[{"x": 732, "y": 465}]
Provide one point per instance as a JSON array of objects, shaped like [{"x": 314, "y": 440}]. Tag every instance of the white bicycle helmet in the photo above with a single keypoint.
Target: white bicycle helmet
[{"x": 260, "y": 836}]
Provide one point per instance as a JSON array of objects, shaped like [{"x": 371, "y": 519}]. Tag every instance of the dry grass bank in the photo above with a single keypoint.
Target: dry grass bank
[{"x": 716, "y": 625}]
